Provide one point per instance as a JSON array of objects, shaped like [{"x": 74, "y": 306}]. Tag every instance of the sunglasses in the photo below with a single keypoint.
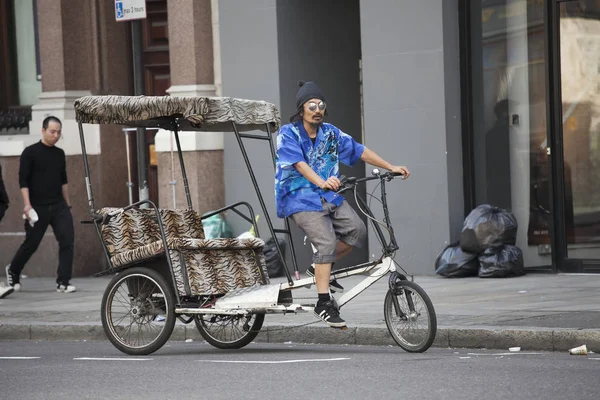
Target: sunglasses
[{"x": 312, "y": 106}]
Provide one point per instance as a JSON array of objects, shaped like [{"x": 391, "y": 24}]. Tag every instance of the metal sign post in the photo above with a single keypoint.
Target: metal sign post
[{"x": 134, "y": 10}]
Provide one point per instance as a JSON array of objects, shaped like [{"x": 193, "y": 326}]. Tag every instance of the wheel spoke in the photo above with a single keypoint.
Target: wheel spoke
[
  {"x": 415, "y": 329},
  {"x": 131, "y": 308},
  {"x": 227, "y": 331}
]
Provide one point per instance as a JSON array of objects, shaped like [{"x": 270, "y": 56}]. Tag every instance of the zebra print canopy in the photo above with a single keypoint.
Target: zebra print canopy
[{"x": 193, "y": 113}]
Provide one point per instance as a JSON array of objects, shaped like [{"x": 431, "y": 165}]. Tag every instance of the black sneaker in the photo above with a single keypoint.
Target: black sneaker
[
  {"x": 12, "y": 280},
  {"x": 329, "y": 314},
  {"x": 334, "y": 286},
  {"x": 65, "y": 288}
]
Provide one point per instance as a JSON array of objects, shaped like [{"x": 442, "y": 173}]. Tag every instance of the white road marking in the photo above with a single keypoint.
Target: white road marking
[
  {"x": 18, "y": 358},
  {"x": 464, "y": 358},
  {"x": 271, "y": 362},
  {"x": 111, "y": 359},
  {"x": 593, "y": 358},
  {"x": 504, "y": 354}
]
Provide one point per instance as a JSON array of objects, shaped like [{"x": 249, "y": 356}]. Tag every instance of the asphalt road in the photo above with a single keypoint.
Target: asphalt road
[{"x": 96, "y": 370}]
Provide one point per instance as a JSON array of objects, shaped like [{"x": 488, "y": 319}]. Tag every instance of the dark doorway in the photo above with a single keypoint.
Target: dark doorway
[{"x": 320, "y": 41}]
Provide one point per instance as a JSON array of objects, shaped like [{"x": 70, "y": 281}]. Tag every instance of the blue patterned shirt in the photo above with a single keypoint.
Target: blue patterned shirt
[{"x": 295, "y": 193}]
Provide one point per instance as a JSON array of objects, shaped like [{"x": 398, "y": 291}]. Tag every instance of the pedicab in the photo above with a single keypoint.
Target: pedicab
[{"x": 165, "y": 269}]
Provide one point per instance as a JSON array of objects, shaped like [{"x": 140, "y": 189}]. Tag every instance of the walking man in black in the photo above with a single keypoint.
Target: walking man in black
[
  {"x": 43, "y": 182},
  {"x": 4, "y": 290}
]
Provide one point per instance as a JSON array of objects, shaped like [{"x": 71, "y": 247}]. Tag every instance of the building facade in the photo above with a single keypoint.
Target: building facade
[{"x": 489, "y": 101}]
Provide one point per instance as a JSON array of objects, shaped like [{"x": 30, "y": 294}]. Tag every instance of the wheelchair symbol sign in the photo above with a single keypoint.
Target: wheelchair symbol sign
[{"x": 119, "y": 9}]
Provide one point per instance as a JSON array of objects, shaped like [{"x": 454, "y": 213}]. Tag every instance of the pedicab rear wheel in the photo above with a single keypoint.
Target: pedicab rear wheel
[
  {"x": 414, "y": 325},
  {"x": 138, "y": 311},
  {"x": 229, "y": 331}
]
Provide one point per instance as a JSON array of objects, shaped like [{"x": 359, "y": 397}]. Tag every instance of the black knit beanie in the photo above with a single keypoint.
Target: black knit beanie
[{"x": 307, "y": 91}]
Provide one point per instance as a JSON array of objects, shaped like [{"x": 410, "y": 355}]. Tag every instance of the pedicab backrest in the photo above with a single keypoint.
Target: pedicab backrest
[
  {"x": 134, "y": 235},
  {"x": 130, "y": 236},
  {"x": 181, "y": 223}
]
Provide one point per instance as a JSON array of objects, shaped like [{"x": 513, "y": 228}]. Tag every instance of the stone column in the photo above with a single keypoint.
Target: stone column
[
  {"x": 65, "y": 38},
  {"x": 192, "y": 27}
]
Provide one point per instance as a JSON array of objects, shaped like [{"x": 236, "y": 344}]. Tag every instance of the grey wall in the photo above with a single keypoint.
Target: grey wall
[
  {"x": 249, "y": 69},
  {"x": 320, "y": 41},
  {"x": 411, "y": 102},
  {"x": 407, "y": 89}
]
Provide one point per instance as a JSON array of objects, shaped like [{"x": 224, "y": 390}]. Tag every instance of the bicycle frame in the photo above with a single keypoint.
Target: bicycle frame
[
  {"x": 378, "y": 268},
  {"x": 239, "y": 302}
]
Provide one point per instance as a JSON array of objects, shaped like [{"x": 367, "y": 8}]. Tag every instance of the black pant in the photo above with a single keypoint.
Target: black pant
[{"x": 59, "y": 216}]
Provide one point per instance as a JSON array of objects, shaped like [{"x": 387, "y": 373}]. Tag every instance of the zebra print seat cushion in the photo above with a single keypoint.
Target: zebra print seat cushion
[
  {"x": 200, "y": 266},
  {"x": 212, "y": 271},
  {"x": 228, "y": 247},
  {"x": 216, "y": 266},
  {"x": 216, "y": 244},
  {"x": 138, "y": 254}
]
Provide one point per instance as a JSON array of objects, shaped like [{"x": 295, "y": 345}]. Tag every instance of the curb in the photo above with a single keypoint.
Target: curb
[{"x": 489, "y": 338}]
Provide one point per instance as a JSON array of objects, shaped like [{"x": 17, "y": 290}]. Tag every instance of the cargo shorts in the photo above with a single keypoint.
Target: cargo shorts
[{"x": 324, "y": 228}]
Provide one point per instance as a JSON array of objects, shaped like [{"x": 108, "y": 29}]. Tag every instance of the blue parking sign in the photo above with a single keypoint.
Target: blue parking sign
[
  {"x": 119, "y": 9},
  {"x": 127, "y": 10}
]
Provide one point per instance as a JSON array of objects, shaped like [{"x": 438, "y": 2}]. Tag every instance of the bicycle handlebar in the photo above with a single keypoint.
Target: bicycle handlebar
[
  {"x": 389, "y": 246},
  {"x": 350, "y": 182}
]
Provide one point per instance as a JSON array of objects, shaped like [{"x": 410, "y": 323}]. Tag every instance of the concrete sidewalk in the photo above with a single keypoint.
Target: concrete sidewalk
[{"x": 535, "y": 312}]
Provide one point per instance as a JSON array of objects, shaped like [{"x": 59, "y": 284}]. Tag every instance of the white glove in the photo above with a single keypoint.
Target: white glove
[{"x": 32, "y": 217}]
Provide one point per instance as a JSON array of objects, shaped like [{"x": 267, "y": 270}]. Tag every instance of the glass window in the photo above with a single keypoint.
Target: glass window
[
  {"x": 509, "y": 117},
  {"x": 29, "y": 85},
  {"x": 580, "y": 93}
]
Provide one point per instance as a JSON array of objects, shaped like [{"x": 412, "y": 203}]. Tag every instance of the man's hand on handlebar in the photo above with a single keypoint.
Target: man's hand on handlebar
[
  {"x": 402, "y": 170},
  {"x": 332, "y": 183}
]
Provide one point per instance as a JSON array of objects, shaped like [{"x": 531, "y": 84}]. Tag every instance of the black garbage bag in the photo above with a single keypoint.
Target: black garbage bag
[
  {"x": 504, "y": 262},
  {"x": 452, "y": 262},
  {"x": 274, "y": 264},
  {"x": 488, "y": 227}
]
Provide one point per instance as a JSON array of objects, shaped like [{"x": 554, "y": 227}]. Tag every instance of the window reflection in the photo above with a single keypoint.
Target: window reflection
[
  {"x": 509, "y": 116},
  {"x": 580, "y": 90}
]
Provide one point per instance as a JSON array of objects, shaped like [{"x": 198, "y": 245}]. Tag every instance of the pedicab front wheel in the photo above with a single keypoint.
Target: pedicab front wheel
[
  {"x": 410, "y": 317},
  {"x": 229, "y": 331},
  {"x": 138, "y": 311}
]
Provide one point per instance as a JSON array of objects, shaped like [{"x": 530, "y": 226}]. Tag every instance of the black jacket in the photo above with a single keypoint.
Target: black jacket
[{"x": 3, "y": 194}]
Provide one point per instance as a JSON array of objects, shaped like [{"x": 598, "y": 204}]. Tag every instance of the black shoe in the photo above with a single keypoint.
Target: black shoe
[
  {"x": 329, "y": 314},
  {"x": 334, "y": 286},
  {"x": 12, "y": 280}
]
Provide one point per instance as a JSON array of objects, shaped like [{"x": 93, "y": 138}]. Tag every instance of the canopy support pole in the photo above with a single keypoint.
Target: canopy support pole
[
  {"x": 260, "y": 198},
  {"x": 88, "y": 186},
  {"x": 287, "y": 230},
  {"x": 86, "y": 167},
  {"x": 181, "y": 163}
]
